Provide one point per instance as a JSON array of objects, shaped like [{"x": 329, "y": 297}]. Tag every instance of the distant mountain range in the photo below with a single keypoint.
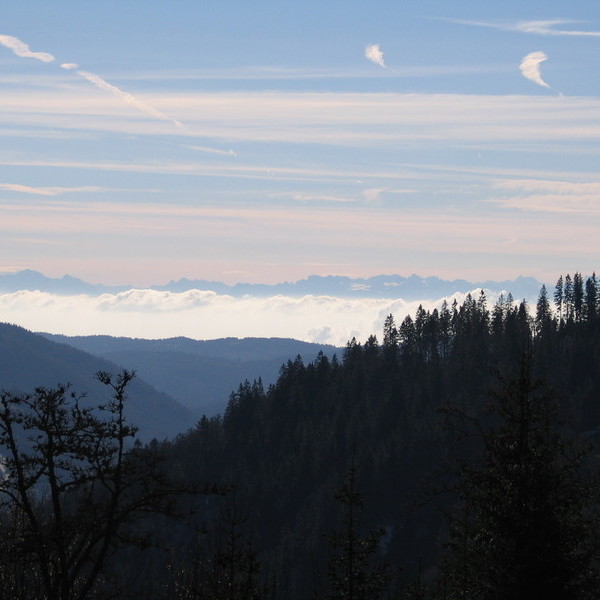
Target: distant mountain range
[{"x": 380, "y": 286}]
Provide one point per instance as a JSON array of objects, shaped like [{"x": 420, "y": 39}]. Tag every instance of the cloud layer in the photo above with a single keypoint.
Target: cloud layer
[{"x": 205, "y": 315}]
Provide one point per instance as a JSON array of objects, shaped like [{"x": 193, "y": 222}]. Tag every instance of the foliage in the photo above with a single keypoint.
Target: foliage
[
  {"x": 528, "y": 526},
  {"x": 353, "y": 572},
  {"x": 73, "y": 486}
]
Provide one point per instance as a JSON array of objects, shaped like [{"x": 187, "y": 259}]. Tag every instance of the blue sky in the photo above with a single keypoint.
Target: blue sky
[{"x": 254, "y": 141}]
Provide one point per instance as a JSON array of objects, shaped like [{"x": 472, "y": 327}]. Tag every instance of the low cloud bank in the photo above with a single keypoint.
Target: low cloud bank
[{"x": 206, "y": 315}]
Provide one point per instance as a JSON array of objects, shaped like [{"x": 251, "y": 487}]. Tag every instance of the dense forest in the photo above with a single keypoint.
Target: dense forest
[{"x": 452, "y": 458}]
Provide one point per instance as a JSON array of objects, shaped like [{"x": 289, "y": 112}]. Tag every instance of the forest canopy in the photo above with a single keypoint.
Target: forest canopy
[{"x": 406, "y": 449}]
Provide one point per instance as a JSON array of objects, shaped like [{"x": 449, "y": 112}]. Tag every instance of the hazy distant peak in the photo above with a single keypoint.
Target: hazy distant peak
[{"x": 414, "y": 287}]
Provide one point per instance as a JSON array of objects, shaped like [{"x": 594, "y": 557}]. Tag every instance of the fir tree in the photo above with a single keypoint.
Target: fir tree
[
  {"x": 354, "y": 572},
  {"x": 527, "y": 527}
]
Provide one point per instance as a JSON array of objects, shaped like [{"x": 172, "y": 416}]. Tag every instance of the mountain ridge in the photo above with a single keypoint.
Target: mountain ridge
[
  {"x": 199, "y": 374},
  {"x": 413, "y": 287},
  {"x": 29, "y": 360}
]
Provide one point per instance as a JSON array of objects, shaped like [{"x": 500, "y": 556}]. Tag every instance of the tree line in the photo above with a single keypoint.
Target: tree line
[{"x": 455, "y": 459}]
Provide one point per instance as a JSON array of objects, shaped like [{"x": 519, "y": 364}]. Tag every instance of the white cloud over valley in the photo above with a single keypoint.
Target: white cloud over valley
[{"x": 205, "y": 315}]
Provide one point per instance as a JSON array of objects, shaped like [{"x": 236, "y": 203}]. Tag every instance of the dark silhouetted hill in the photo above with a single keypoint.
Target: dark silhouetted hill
[{"x": 29, "y": 360}]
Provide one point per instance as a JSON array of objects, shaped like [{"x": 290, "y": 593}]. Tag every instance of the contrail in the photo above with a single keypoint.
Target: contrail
[
  {"x": 212, "y": 150},
  {"x": 126, "y": 97},
  {"x": 530, "y": 67},
  {"x": 22, "y": 49}
]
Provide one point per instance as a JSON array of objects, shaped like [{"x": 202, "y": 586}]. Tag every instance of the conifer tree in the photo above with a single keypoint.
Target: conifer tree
[
  {"x": 390, "y": 333},
  {"x": 591, "y": 298},
  {"x": 527, "y": 527},
  {"x": 354, "y": 572},
  {"x": 543, "y": 315},
  {"x": 578, "y": 296},
  {"x": 568, "y": 298},
  {"x": 558, "y": 298}
]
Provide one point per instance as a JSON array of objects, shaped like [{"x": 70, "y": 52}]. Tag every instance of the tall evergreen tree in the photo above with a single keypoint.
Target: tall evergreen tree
[
  {"x": 578, "y": 296},
  {"x": 559, "y": 298},
  {"x": 354, "y": 571},
  {"x": 543, "y": 314},
  {"x": 591, "y": 298},
  {"x": 527, "y": 527},
  {"x": 568, "y": 298}
]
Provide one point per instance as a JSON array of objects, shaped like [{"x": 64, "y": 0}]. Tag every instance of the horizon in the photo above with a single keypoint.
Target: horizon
[{"x": 314, "y": 312}]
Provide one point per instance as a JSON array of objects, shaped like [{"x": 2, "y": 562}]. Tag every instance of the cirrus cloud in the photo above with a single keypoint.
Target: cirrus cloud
[{"x": 22, "y": 49}]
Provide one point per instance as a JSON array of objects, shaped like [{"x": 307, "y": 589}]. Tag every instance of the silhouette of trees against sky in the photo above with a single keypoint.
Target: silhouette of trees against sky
[
  {"x": 74, "y": 489},
  {"x": 77, "y": 493}
]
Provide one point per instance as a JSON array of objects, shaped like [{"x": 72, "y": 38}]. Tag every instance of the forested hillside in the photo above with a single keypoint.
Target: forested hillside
[
  {"x": 384, "y": 407},
  {"x": 199, "y": 374},
  {"x": 28, "y": 360},
  {"x": 453, "y": 457}
]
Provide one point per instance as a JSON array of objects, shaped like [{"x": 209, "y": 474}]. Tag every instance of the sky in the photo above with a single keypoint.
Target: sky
[{"x": 141, "y": 142}]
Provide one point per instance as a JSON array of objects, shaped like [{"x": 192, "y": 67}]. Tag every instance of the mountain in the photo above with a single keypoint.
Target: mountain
[
  {"x": 199, "y": 374},
  {"x": 29, "y": 360},
  {"x": 64, "y": 286},
  {"x": 380, "y": 286}
]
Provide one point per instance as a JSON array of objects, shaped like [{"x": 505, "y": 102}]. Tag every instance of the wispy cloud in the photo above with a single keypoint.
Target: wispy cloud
[
  {"x": 530, "y": 67},
  {"x": 548, "y": 185},
  {"x": 46, "y": 191},
  {"x": 212, "y": 150},
  {"x": 126, "y": 97},
  {"x": 22, "y": 49},
  {"x": 548, "y": 28},
  {"x": 542, "y": 27},
  {"x": 544, "y": 195},
  {"x": 344, "y": 119},
  {"x": 58, "y": 190},
  {"x": 374, "y": 54},
  {"x": 321, "y": 198}
]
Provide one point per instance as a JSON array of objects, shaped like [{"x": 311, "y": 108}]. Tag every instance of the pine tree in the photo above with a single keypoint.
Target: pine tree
[
  {"x": 559, "y": 298},
  {"x": 568, "y": 298},
  {"x": 390, "y": 333},
  {"x": 591, "y": 298},
  {"x": 527, "y": 527},
  {"x": 543, "y": 315},
  {"x": 354, "y": 572},
  {"x": 578, "y": 296}
]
